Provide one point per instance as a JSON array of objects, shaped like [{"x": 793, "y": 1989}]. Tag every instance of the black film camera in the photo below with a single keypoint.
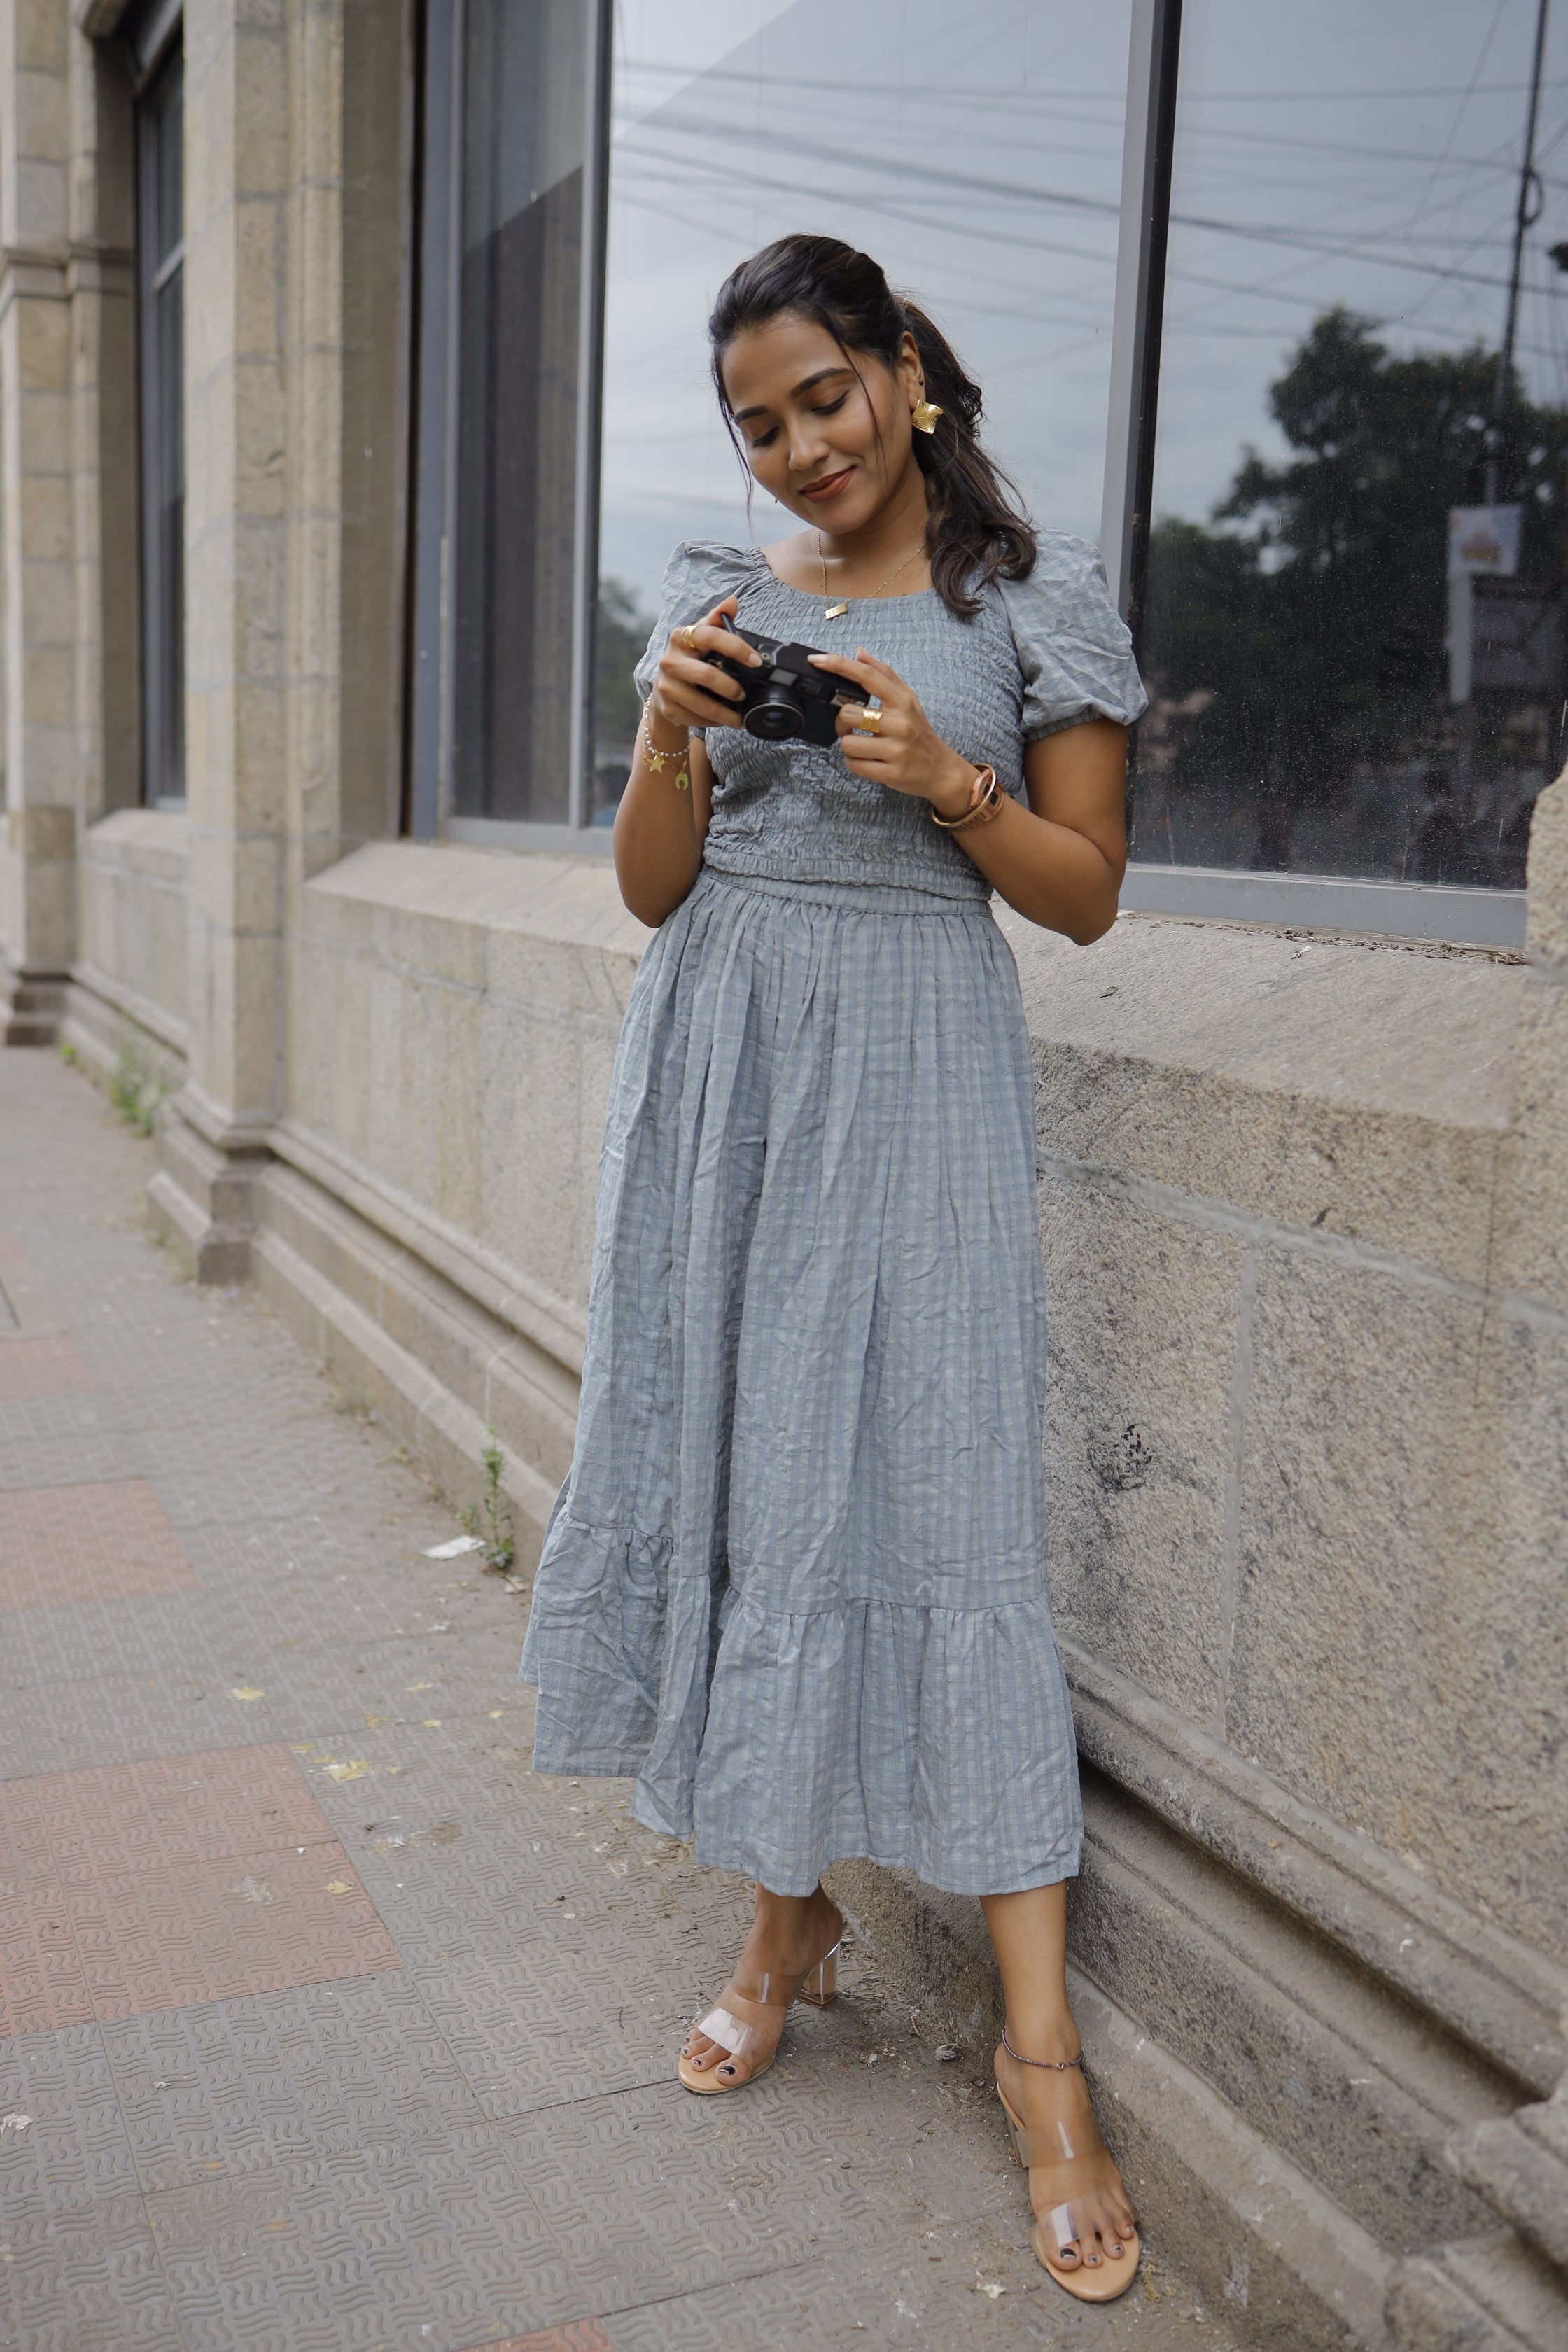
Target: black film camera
[{"x": 785, "y": 697}]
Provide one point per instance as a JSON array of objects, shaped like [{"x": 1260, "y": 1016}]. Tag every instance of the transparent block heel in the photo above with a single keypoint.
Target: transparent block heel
[{"x": 820, "y": 1985}]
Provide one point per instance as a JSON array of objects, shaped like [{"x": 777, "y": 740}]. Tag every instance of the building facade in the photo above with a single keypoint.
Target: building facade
[{"x": 353, "y": 390}]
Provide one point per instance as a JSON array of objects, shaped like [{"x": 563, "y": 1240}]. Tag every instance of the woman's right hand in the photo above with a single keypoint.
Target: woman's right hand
[{"x": 687, "y": 691}]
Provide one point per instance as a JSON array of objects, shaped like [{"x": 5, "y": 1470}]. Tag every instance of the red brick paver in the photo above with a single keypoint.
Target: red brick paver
[
  {"x": 46, "y": 1365},
  {"x": 100, "y": 1542},
  {"x": 152, "y": 1885},
  {"x": 577, "y": 2335}
]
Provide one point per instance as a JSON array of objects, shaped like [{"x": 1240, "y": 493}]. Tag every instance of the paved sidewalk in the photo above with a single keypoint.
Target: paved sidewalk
[{"x": 324, "y": 2022}]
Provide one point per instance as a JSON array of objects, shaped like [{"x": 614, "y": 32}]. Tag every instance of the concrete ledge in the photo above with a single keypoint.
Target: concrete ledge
[
  {"x": 102, "y": 1017},
  {"x": 1487, "y": 2295},
  {"x": 1333, "y": 903},
  {"x": 130, "y": 966},
  {"x": 440, "y": 1371},
  {"x": 1504, "y": 1999},
  {"x": 555, "y": 1325}
]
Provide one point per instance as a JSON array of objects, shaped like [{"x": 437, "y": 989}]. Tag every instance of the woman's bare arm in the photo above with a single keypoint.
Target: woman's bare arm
[
  {"x": 659, "y": 827},
  {"x": 1060, "y": 861}
]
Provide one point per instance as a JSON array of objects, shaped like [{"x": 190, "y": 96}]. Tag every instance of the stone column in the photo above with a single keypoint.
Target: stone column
[
  {"x": 237, "y": 206},
  {"x": 296, "y": 374},
  {"x": 37, "y": 880}
]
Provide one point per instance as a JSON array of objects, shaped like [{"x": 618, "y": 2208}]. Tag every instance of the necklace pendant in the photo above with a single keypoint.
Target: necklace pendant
[{"x": 836, "y": 611}]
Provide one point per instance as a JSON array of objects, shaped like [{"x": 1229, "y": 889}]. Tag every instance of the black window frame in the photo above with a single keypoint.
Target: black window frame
[{"x": 153, "y": 38}]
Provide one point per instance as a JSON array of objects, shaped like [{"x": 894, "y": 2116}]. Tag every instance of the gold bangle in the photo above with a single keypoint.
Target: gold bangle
[
  {"x": 658, "y": 760},
  {"x": 985, "y": 798}
]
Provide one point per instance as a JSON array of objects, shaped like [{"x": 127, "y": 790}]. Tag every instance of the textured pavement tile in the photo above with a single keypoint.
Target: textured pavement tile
[
  {"x": 838, "y": 2304},
  {"x": 84, "y": 2279},
  {"x": 74, "y": 2151},
  {"x": 212, "y": 1930},
  {"x": 42, "y": 1982},
  {"x": 654, "y": 2192},
  {"x": 202, "y": 1806},
  {"x": 174, "y": 1880},
  {"x": 240, "y": 2087},
  {"x": 46, "y": 1365},
  {"x": 577, "y": 2335},
  {"x": 14, "y": 1756},
  {"x": 364, "y": 2248},
  {"x": 65, "y": 1544}
]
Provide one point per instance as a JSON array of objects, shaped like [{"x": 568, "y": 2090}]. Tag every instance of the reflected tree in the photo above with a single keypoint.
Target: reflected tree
[{"x": 1296, "y": 646}]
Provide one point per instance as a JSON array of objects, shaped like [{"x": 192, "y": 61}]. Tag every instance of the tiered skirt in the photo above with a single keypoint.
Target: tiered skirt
[{"x": 794, "y": 1583}]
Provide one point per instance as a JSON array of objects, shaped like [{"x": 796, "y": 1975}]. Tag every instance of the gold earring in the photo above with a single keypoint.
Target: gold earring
[{"x": 923, "y": 416}]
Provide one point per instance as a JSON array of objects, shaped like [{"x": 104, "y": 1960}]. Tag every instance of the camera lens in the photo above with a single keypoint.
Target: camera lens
[{"x": 774, "y": 717}]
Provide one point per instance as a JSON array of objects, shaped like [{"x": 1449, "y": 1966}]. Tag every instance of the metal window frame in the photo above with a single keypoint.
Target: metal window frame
[
  {"x": 1147, "y": 154},
  {"x": 154, "y": 39},
  {"x": 430, "y": 785},
  {"x": 1457, "y": 915},
  {"x": 433, "y": 441}
]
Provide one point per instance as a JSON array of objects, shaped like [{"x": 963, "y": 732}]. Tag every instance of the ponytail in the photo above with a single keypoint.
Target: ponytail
[{"x": 977, "y": 528}]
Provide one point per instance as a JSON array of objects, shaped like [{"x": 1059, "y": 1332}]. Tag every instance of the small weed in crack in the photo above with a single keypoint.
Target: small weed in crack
[{"x": 491, "y": 1521}]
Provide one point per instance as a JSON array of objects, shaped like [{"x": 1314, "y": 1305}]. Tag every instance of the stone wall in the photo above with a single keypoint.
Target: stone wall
[{"x": 127, "y": 991}]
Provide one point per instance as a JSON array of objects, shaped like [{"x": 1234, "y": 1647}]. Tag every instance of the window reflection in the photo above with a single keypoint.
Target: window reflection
[
  {"x": 975, "y": 151},
  {"x": 525, "y": 133},
  {"x": 160, "y": 132},
  {"x": 1341, "y": 239}
]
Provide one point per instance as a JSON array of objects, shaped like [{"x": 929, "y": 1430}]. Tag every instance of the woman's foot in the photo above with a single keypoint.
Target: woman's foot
[
  {"x": 792, "y": 1935},
  {"x": 1085, "y": 2233}
]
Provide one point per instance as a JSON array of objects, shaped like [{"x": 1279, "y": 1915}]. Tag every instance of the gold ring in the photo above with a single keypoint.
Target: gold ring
[
  {"x": 870, "y": 721},
  {"x": 686, "y": 639}
]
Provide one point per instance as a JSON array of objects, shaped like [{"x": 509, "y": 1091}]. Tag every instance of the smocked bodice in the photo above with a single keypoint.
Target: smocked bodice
[{"x": 1038, "y": 656}]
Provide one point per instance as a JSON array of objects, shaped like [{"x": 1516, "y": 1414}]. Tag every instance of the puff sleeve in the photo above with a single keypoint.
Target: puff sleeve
[
  {"x": 699, "y": 575},
  {"x": 1073, "y": 647}
]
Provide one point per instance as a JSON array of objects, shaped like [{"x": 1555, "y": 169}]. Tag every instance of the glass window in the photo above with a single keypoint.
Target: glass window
[
  {"x": 160, "y": 140},
  {"x": 976, "y": 152},
  {"x": 515, "y": 473},
  {"x": 1352, "y": 629}
]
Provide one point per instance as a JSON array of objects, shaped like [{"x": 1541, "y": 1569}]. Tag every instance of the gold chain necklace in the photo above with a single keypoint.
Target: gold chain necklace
[{"x": 836, "y": 611}]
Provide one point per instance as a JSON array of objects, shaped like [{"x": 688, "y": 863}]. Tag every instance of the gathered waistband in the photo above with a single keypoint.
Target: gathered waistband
[{"x": 852, "y": 897}]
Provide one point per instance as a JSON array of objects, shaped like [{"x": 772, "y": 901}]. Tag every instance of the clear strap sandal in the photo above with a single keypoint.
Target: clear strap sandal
[
  {"x": 743, "y": 2035},
  {"x": 1072, "y": 2150}
]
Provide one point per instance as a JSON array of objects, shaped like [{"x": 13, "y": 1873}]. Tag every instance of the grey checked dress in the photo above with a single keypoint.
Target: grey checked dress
[{"x": 795, "y": 1581}]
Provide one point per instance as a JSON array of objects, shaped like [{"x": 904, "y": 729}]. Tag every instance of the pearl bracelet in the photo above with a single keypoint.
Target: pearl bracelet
[{"x": 658, "y": 760}]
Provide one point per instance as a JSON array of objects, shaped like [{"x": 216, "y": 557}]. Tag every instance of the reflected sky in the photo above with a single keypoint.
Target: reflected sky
[
  {"x": 976, "y": 152},
  {"x": 1360, "y": 151}
]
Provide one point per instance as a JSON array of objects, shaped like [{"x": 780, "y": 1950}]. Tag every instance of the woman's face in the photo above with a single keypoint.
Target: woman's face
[{"x": 830, "y": 437}]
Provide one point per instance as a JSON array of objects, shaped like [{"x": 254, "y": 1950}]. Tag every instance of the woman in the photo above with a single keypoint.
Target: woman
[{"x": 795, "y": 1581}]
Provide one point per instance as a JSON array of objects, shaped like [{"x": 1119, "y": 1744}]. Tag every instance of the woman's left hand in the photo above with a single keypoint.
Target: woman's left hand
[{"x": 905, "y": 754}]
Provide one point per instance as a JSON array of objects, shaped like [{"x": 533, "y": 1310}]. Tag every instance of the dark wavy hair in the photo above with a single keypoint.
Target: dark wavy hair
[{"x": 977, "y": 527}]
